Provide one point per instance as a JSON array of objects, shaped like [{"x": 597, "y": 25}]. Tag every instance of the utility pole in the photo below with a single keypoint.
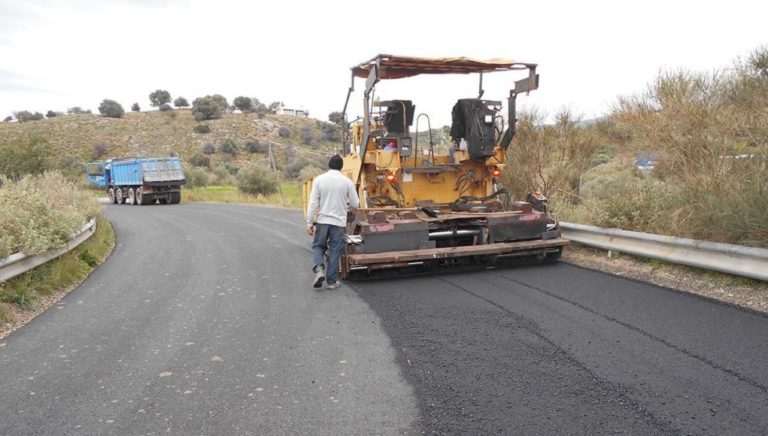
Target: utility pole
[{"x": 273, "y": 164}]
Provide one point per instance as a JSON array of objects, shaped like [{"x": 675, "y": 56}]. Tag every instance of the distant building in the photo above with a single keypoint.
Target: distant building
[{"x": 292, "y": 112}]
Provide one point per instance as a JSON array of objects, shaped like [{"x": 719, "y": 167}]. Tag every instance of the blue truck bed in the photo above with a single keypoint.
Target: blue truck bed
[
  {"x": 147, "y": 171},
  {"x": 138, "y": 180}
]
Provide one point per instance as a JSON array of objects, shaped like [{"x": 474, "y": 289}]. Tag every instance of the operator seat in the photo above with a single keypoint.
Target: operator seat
[
  {"x": 472, "y": 120},
  {"x": 398, "y": 117}
]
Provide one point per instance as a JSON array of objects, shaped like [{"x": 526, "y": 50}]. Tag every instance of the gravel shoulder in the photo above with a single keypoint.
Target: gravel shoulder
[{"x": 738, "y": 291}]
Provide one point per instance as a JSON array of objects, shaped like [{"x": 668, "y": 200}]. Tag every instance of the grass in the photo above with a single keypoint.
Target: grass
[
  {"x": 6, "y": 313},
  {"x": 23, "y": 292},
  {"x": 290, "y": 195}
]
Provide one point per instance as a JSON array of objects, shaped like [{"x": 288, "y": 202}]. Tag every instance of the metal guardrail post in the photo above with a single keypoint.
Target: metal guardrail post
[
  {"x": 19, "y": 263},
  {"x": 732, "y": 259}
]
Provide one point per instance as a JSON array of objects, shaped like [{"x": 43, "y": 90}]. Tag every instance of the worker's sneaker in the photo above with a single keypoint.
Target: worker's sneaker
[
  {"x": 319, "y": 277},
  {"x": 333, "y": 285}
]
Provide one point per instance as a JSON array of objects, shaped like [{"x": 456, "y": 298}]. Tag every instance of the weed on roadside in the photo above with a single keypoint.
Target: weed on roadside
[
  {"x": 28, "y": 291},
  {"x": 6, "y": 314}
]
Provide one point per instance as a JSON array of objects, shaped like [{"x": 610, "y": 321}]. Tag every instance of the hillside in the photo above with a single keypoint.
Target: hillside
[{"x": 79, "y": 137}]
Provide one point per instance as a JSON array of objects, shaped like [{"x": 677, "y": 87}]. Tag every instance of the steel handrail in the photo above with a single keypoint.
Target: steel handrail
[
  {"x": 728, "y": 258},
  {"x": 19, "y": 263}
]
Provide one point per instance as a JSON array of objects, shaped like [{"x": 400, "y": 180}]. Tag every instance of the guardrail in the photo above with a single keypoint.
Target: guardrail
[
  {"x": 732, "y": 259},
  {"x": 19, "y": 263}
]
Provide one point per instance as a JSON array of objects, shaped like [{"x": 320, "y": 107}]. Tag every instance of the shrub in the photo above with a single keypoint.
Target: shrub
[
  {"x": 111, "y": 109},
  {"x": 331, "y": 132},
  {"x": 547, "y": 157},
  {"x": 88, "y": 258},
  {"x": 309, "y": 172},
  {"x": 24, "y": 116},
  {"x": 200, "y": 160},
  {"x": 136, "y": 108},
  {"x": 289, "y": 152},
  {"x": 70, "y": 166},
  {"x": 306, "y": 135},
  {"x": 255, "y": 179},
  {"x": 637, "y": 204},
  {"x": 23, "y": 298},
  {"x": 181, "y": 102},
  {"x": 77, "y": 110},
  {"x": 99, "y": 150},
  {"x": 256, "y": 146},
  {"x": 196, "y": 177},
  {"x": 224, "y": 174},
  {"x": 202, "y": 128},
  {"x": 295, "y": 166},
  {"x": 208, "y": 107},
  {"x": 41, "y": 212},
  {"x": 259, "y": 107},
  {"x": 27, "y": 155},
  {"x": 165, "y": 107},
  {"x": 221, "y": 101},
  {"x": 228, "y": 147},
  {"x": 6, "y": 314},
  {"x": 284, "y": 132},
  {"x": 710, "y": 132},
  {"x": 159, "y": 97},
  {"x": 245, "y": 104},
  {"x": 209, "y": 148}
]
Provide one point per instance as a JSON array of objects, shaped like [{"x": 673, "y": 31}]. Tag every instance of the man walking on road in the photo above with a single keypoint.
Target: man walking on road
[{"x": 331, "y": 194}]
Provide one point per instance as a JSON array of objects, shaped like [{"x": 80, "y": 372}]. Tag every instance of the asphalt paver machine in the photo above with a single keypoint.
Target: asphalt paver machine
[{"x": 427, "y": 205}]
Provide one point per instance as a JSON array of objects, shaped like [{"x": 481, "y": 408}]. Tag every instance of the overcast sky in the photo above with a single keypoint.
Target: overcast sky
[{"x": 55, "y": 54}]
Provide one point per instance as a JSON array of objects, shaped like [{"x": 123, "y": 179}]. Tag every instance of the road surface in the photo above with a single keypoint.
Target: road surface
[{"x": 204, "y": 321}]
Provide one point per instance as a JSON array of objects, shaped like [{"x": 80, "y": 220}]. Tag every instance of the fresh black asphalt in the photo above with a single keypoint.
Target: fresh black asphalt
[{"x": 204, "y": 321}]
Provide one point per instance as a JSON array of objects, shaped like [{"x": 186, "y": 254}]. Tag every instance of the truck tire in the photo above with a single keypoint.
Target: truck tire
[
  {"x": 175, "y": 198},
  {"x": 142, "y": 199},
  {"x": 111, "y": 194},
  {"x": 131, "y": 196},
  {"x": 119, "y": 199}
]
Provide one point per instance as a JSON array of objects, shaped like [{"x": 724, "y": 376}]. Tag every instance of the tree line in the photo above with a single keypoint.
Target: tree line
[{"x": 203, "y": 108}]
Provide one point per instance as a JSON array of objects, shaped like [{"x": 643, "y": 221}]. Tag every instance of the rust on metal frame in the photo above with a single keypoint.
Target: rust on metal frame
[{"x": 398, "y": 67}]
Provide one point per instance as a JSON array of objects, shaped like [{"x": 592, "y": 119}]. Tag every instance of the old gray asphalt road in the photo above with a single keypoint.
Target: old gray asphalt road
[
  {"x": 189, "y": 327},
  {"x": 204, "y": 321}
]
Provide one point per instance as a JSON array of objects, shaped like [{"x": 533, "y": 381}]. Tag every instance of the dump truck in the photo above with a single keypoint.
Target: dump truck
[
  {"x": 428, "y": 205},
  {"x": 138, "y": 180}
]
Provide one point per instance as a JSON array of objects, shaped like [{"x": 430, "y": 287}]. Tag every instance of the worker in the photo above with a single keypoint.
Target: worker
[{"x": 332, "y": 194}]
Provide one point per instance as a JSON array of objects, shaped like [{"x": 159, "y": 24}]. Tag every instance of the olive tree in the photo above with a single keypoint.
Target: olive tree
[
  {"x": 160, "y": 97},
  {"x": 245, "y": 104},
  {"x": 111, "y": 109}
]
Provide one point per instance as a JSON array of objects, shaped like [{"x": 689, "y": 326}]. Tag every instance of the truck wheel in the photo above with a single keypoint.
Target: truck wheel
[
  {"x": 131, "y": 196},
  {"x": 119, "y": 196},
  {"x": 142, "y": 199},
  {"x": 175, "y": 198},
  {"x": 111, "y": 194}
]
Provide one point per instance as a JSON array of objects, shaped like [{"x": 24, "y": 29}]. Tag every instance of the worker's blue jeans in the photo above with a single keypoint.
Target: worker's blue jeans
[{"x": 330, "y": 239}]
